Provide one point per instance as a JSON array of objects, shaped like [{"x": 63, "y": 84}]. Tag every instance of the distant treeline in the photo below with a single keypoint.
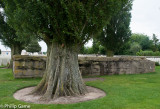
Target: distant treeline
[{"x": 138, "y": 44}]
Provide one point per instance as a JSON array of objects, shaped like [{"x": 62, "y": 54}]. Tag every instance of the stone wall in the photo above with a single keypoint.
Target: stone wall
[
  {"x": 116, "y": 65},
  {"x": 28, "y": 66},
  {"x": 34, "y": 66}
]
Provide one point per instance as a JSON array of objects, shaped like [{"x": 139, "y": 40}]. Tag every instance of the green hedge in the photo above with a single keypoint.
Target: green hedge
[{"x": 148, "y": 53}]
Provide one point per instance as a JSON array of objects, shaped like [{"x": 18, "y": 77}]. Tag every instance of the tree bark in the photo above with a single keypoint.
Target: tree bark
[
  {"x": 110, "y": 53},
  {"x": 62, "y": 76},
  {"x": 15, "y": 50}
]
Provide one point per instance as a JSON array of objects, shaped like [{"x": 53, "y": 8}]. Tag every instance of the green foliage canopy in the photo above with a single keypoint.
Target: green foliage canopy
[
  {"x": 117, "y": 32},
  {"x": 8, "y": 34},
  {"x": 135, "y": 48},
  {"x": 155, "y": 43},
  {"x": 68, "y": 22},
  {"x": 142, "y": 39},
  {"x": 33, "y": 46}
]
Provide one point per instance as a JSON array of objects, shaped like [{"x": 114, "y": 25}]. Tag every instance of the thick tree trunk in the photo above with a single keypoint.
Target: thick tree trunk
[
  {"x": 110, "y": 53},
  {"x": 15, "y": 50},
  {"x": 62, "y": 76}
]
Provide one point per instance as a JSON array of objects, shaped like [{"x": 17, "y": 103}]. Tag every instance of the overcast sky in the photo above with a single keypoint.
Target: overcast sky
[{"x": 145, "y": 19}]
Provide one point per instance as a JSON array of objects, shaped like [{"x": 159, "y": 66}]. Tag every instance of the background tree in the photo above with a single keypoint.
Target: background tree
[
  {"x": 87, "y": 50},
  {"x": 155, "y": 42},
  {"x": 83, "y": 50},
  {"x": 9, "y": 38},
  {"x": 0, "y": 51},
  {"x": 124, "y": 49},
  {"x": 33, "y": 46},
  {"x": 142, "y": 40},
  {"x": 102, "y": 50},
  {"x": 117, "y": 32},
  {"x": 95, "y": 46},
  {"x": 65, "y": 26},
  {"x": 135, "y": 48}
]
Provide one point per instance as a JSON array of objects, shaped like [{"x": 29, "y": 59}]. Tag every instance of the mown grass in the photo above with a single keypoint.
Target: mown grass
[
  {"x": 2, "y": 66},
  {"x": 138, "y": 91}
]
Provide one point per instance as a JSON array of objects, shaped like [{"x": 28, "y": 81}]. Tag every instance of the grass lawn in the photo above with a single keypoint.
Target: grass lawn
[
  {"x": 2, "y": 66},
  {"x": 139, "y": 91}
]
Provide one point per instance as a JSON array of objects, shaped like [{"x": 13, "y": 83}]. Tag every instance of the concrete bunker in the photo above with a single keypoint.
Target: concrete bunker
[{"x": 34, "y": 66}]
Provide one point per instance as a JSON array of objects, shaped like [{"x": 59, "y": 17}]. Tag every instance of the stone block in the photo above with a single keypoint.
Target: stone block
[{"x": 28, "y": 66}]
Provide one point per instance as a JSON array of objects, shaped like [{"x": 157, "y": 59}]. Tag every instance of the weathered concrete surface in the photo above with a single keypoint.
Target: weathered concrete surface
[
  {"x": 29, "y": 66},
  {"x": 34, "y": 66},
  {"x": 116, "y": 65}
]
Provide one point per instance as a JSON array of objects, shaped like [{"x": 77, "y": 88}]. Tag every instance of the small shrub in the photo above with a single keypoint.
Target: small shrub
[
  {"x": 2, "y": 66},
  {"x": 157, "y": 64}
]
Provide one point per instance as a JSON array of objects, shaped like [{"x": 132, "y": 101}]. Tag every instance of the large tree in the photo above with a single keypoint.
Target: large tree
[
  {"x": 65, "y": 25},
  {"x": 117, "y": 32}
]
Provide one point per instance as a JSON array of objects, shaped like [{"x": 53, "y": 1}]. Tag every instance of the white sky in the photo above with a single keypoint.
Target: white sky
[{"x": 145, "y": 19}]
